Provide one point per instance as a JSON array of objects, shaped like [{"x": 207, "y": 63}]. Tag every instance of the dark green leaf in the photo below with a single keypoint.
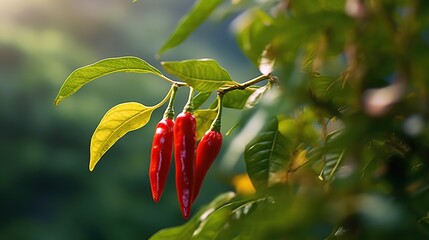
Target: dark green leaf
[
  {"x": 84, "y": 75},
  {"x": 266, "y": 154},
  {"x": 329, "y": 155},
  {"x": 237, "y": 98},
  {"x": 217, "y": 221},
  {"x": 187, "y": 230},
  {"x": 204, "y": 75},
  {"x": 197, "y": 15},
  {"x": 200, "y": 99}
]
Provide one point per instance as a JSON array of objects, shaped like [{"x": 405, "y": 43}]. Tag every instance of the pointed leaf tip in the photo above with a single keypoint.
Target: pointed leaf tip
[
  {"x": 191, "y": 21},
  {"x": 118, "y": 121},
  {"x": 81, "y": 76}
]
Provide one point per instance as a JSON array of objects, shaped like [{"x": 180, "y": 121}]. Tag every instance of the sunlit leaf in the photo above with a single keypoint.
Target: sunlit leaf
[
  {"x": 197, "y": 15},
  {"x": 266, "y": 154},
  {"x": 118, "y": 121},
  {"x": 84, "y": 75},
  {"x": 255, "y": 96},
  {"x": 204, "y": 75},
  {"x": 204, "y": 117},
  {"x": 267, "y": 60},
  {"x": 200, "y": 99},
  {"x": 237, "y": 98}
]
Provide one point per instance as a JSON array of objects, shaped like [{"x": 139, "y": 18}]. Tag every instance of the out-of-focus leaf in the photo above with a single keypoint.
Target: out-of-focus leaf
[
  {"x": 197, "y": 15},
  {"x": 204, "y": 117},
  {"x": 243, "y": 184},
  {"x": 267, "y": 60},
  {"x": 303, "y": 30},
  {"x": 84, "y": 75},
  {"x": 256, "y": 96},
  {"x": 237, "y": 98},
  {"x": 300, "y": 129},
  {"x": 314, "y": 7},
  {"x": 321, "y": 85},
  {"x": 254, "y": 30},
  {"x": 190, "y": 229},
  {"x": 266, "y": 154},
  {"x": 200, "y": 99},
  {"x": 204, "y": 75},
  {"x": 217, "y": 221},
  {"x": 329, "y": 155},
  {"x": 118, "y": 121}
]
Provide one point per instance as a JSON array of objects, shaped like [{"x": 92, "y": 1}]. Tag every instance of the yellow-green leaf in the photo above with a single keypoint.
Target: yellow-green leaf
[
  {"x": 86, "y": 74},
  {"x": 118, "y": 121},
  {"x": 204, "y": 117}
]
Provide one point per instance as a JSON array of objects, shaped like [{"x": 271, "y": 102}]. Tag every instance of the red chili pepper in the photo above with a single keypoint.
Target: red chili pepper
[
  {"x": 207, "y": 151},
  {"x": 184, "y": 150},
  {"x": 162, "y": 149}
]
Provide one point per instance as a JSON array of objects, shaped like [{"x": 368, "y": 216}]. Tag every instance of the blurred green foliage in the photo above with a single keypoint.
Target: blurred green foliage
[{"x": 339, "y": 150}]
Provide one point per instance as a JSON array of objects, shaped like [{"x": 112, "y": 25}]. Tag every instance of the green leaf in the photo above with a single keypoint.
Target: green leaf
[
  {"x": 186, "y": 231},
  {"x": 237, "y": 99},
  {"x": 266, "y": 154},
  {"x": 204, "y": 117},
  {"x": 330, "y": 155},
  {"x": 255, "y": 30},
  {"x": 301, "y": 129},
  {"x": 267, "y": 60},
  {"x": 194, "y": 18},
  {"x": 200, "y": 99},
  {"x": 256, "y": 96},
  {"x": 86, "y": 74},
  {"x": 217, "y": 221},
  {"x": 118, "y": 121},
  {"x": 204, "y": 75}
]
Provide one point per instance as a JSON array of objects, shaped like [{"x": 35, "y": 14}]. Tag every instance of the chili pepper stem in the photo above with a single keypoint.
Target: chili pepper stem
[
  {"x": 169, "y": 112},
  {"x": 189, "y": 107},
  {"x": 216, "y": 125},
  {"x": 165, "y": 98}
]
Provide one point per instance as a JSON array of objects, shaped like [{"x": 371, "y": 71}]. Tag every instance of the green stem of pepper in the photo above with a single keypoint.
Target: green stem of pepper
[
  {"x": 169, "y": 112},
  {"x": 217, "y": 122},
  {"x": 166, "y": 97},
  {"x": 189, "y": 107}
]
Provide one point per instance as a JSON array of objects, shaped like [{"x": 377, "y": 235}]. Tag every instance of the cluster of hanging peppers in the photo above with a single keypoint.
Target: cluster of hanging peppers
[{"x": 192, "y": 160}]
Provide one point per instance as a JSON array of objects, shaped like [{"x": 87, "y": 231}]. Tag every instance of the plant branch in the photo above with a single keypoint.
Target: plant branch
[
  {"x": 179, "y": 84},
  {"x": 172, "y": 89},
  {"x": 189, "y": 107},
  {"x": 246, "y": 84}
]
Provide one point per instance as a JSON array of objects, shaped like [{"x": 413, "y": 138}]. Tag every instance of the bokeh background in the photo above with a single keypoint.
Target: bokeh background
[{"x": 46, "y": 189}]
